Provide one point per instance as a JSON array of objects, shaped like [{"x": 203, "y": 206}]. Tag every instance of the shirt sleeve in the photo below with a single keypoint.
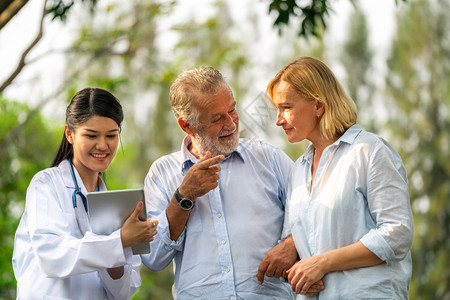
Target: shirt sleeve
[
  {"x": 126, "y": 286},
  {"x": 157, "y": 198},
  {"x": 389, "y": 206},
  {"x": 286, "y": 224},
  {"x": 282, "y": 166},
  {"x": 58, "y": 252}
]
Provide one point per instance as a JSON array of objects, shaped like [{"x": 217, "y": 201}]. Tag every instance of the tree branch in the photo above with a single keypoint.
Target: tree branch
[
  {"x": 22, "y": 62},
  {"x": 8, "y": 9},
  {"x": 15, "y": 132}
]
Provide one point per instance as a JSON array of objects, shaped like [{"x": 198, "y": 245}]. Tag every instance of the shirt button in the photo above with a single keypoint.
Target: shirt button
[
  {"x": 232, "y": 298},
  {"x": 227, "y": 270},
  {"x": 219, "y": 215},
  {"x": 223, "y": 242}
]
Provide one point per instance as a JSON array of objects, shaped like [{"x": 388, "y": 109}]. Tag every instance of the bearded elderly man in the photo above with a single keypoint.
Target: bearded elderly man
[{"x": 219, "y": 201}]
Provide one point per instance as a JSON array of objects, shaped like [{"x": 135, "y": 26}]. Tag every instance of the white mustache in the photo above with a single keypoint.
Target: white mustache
[{"x": 225, "y": 133}]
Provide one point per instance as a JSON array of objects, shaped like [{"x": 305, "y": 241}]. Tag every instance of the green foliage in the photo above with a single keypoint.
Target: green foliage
[
  {"x": 312, "y": 15},
  {"x": 211, "y": 43},
  {"x": 356, "y": 55},
  {"x": 356, "y": 58},
  {"x": 27, "y": 145},
  {"x": 294, "y": 151},
  {"x": 155, "y": 285},
  {"x": 59, "y": 9},
  {"x": 120, "y": 174},
  {"x": 418, "y": 83}
]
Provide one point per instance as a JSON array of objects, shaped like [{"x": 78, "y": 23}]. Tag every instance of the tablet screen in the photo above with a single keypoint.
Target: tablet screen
[{"x": 108, "y": 210}]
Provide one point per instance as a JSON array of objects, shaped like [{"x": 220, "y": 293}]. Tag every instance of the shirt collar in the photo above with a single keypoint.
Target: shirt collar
[
  {"x": 189, "y": 159},
  {"x": 348, "y": 137}
]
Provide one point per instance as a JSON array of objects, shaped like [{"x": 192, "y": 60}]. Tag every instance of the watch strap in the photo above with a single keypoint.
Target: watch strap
[{"x": 185, "y": 203}]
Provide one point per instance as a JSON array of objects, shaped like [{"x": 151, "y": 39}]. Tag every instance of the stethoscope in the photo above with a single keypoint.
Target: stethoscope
[{"x": 74, "y": 196}]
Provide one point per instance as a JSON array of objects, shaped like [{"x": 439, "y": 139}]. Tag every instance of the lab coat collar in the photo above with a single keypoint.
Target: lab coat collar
[{"x": 64, "y": 167}]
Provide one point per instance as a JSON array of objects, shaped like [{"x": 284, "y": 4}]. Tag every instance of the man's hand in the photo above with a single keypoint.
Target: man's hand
[
  {"x": 278, "y": 260},
  {"x": 199, "y": 180},
  {"x": 201, "y": 177},
  {"x": 315, "y": 288}
]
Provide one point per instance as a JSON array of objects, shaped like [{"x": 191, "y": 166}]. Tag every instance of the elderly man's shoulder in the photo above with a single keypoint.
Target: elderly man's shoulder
[
  {"x": 264, "y": 153},
  {"x": 174, "y": 159},
  {"x": 255, "y": 145}
]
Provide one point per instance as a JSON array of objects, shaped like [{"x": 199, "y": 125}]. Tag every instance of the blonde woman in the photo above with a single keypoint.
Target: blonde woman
[{"x": 348, "y": 207}]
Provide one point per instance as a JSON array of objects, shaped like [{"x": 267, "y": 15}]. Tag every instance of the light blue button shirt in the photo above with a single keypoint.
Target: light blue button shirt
[
  {"x": 229, "y": 230},
  {"x": 360, "y": 193}
]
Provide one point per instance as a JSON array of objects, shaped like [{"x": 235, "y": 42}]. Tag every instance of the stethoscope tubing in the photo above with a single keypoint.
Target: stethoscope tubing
[{"x": 74, "y": 197}]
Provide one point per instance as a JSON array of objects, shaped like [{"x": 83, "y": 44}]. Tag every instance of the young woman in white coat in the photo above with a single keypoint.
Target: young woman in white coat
[{"x": 56, "y": 256}]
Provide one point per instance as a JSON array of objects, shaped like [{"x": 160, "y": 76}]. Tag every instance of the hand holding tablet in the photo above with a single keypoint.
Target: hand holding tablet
[{"x": 110, "y": 210}]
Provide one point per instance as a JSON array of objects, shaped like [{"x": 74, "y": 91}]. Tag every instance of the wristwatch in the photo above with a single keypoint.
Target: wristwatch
[{"x": 185, "y": 203}]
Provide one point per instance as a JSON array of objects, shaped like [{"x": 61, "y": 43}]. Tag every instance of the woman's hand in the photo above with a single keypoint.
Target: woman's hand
[
  {"x": 135, "y": 231},
  {"x": 305, "y": 276},
  {"x": 309, "y": 270}
]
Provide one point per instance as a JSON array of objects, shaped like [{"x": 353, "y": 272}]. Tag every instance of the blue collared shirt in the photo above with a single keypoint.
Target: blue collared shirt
[
  {"x": 360, "y": 193},
  {"x": 229, "y": 230}
]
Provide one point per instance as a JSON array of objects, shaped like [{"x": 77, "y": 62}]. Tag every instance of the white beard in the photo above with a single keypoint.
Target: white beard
[{"x": 204, "y": 144}]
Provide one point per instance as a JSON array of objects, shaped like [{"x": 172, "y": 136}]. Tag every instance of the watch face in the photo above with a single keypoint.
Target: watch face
[{"x": 186, "y": 204}]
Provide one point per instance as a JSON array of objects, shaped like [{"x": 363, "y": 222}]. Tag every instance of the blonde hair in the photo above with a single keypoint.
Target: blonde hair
[
  {"x": 193, "y": 84},
  {"x": 312, "y": 79}
]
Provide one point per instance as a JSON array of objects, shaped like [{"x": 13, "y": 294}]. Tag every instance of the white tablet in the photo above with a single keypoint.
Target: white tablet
[{"x": 108, "y": 210}]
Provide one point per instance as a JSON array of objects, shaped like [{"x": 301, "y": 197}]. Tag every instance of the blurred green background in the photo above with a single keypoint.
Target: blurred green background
[{"x": 135, "y": 49}]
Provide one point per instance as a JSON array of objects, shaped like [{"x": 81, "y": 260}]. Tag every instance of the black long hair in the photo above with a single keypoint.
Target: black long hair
[{"x": 85, "y": 104}]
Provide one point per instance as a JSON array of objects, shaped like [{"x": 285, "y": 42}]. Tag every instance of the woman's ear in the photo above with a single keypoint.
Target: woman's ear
[
  {"x": 320, "y": 108},
  {"x": 69, "y": 135}
]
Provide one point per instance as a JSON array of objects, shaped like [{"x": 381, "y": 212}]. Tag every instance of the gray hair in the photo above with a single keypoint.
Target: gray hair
[{"x": 192, "y": 84}]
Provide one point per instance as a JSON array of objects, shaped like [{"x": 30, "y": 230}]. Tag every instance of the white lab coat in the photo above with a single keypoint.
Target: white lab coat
[{"x": 53, "y": 260}]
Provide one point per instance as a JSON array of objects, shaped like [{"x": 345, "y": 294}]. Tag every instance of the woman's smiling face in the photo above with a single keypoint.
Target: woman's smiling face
[{"x": 94, "y": 144}]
